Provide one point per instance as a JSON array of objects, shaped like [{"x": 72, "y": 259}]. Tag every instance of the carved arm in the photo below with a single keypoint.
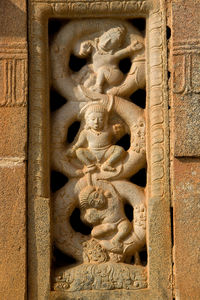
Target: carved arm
[{"x": 135, "y": 46}]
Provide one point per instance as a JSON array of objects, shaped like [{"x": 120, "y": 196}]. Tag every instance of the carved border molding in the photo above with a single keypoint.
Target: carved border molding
[
  {"x": 183, "y": 47},
  {"x": 91, "y": 7},
  {"x": 98, "y": 5},
  {"x": 159, "y": 235},
  {"x": 13, "y": 69},
  {"x": 157, "y": 110}
]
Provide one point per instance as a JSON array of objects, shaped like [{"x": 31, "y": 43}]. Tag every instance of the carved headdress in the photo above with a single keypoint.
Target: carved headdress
[
  {"x": 116, "y": 33},
  {"x": 93, "y": 107}
]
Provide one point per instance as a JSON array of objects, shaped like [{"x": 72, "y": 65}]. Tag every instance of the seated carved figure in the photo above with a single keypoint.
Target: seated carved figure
[
  {"x": 94, "y": 144},
  {"x": 105, "y": 213},
  {"x": 106, "y": 54}
]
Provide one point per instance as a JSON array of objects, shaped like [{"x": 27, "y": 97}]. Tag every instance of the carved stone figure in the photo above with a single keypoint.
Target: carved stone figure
[
  {"x": 98, "y": 137},
  {"x": 106, "y": 54},
  {"x": 103, "y": 43},
  {"x": 97, "y": 168}
]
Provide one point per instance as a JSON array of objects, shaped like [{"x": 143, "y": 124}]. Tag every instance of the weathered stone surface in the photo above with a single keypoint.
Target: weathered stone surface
[
  {"x": 13, "y": 128},
  {"x": 186, "y": 195},
  {"x": 12, "y": 231},
  {"x": 13, "y": 15},
  {"x": 13, "y": 141},
  {"x": 185, "y": 66},
  {"x": 185, "y": 141},
  {"x": 66, "y": 159}
]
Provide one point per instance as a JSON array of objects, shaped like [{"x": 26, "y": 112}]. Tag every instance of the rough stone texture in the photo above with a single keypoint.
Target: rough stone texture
[
  {"x": 13, "y": 20},
  {"x": 185, "y": 66},
  {"x": 12, "y": 232},
  {"x": 13, "y": 140},
  {"x": 13, "y": 132},
  {"x": 186, "y": 195},
  {"x": 185, "y": 143}
]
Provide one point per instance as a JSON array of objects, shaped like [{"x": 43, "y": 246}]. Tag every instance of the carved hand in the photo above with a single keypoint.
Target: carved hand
[
  {"x": 71, "y": 152},
  {"x": 135, "y": 46}
]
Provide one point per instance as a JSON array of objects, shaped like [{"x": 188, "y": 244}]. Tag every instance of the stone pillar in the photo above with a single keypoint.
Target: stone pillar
[
  {"x": 185, "y": 146},
  {"x": 13, "y": 141}
]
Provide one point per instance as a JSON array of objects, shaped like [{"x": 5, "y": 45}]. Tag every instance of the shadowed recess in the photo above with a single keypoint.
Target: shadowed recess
[
  {"x": 125, "y": 65},
  {"x": 58, "y": 180},
  {"x": 139, "y": 98},
  {"x": 60, "y": 259},
  {"x": 128, "y": 209},
  {"x": 54, "y": 26},
  {"x": 143, "y": 257},
  {"x": 124, "y": 142},
  {"x": 56, "y": 101},
  {"x": 76, "y": 63},
  {"x": 172, "y": 225},
  {"x": 72, "y": 131},
  {"x": 77, "y": 224},
  {"x": 132, "y": 262},
  {"x": 168, "y": 32},
  {"x": 140, "y": 178},
  {"x": 139, "y": 23}
]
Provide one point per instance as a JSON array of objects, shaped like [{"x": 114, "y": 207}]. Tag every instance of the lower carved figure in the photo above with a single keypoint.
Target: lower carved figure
[{"x": 104, "y": 212}]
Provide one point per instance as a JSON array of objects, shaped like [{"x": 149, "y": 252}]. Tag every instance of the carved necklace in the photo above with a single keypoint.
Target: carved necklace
[{"x": 96, "y": 132}]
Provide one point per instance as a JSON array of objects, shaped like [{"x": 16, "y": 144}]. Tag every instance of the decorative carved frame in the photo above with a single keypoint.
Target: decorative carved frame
[{"x": 158, "y": 200}]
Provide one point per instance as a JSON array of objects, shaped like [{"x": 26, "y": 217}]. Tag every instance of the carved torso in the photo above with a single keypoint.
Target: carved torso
[{"x": 98, "y": 140}]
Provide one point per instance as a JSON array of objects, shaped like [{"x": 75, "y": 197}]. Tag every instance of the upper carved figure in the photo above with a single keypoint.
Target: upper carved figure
[
  {"x": 106, "y": 54},
  {"x": 102, "y": 45}
]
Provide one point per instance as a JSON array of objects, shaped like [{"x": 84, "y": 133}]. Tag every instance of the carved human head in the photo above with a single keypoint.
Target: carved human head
[
  {"x": 96, "y": 116},
  {"x": 92, "y": 197},
  {"x": 112, "y": 38}
]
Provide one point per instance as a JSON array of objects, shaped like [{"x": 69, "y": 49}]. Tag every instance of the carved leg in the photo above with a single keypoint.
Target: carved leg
[
  {"x": 124, "y": 228},
  {"x": 137, "y": 258},
  {"x": 112, "y": 155},
  {"x": 87, "y": 158},
  {"x": 103, "y": 229},
  {"x": 100, "y": 81}
]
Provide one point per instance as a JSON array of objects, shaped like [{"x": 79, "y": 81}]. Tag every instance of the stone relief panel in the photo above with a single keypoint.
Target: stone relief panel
[{"x": 98, "y": 146}]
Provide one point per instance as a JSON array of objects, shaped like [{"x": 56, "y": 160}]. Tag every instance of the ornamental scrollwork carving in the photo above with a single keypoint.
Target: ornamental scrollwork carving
[{"x": 97, "y": 166}]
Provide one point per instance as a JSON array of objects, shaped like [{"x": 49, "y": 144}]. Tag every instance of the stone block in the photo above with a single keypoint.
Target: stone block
[
  {"x": 13, "y": 232},
  {"x": 13, "y": 20},
  {"x": 13, "y": 128},
  {"x": 185, "y": 77},
  {"x": 186, "y": 195}
]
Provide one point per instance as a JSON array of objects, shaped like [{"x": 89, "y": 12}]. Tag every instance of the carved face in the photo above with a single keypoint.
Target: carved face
[
  {"x": 96, "y": 120},
  {"x": 97, "y": 199},
  {"x": 108, "y": 42}
]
